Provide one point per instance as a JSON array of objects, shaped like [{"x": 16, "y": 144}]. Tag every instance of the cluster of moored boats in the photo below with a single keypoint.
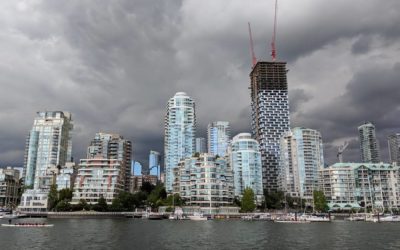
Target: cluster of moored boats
[
  {"x": 374, "y": 217},
  {"x": 289, "y": 218}
]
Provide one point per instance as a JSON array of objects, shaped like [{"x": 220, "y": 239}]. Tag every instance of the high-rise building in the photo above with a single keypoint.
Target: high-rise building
[
  {"x": 301, "y": 158},
  {"x": 154, "y": 163},
  {"x": 113, "y": 146},
  {"x": 201, "y": 146},
  {"x": 137, "y": 168},
  {"x": 270, "y": 115},
  {"x": 180, "y": 129},
  {"x": 368, "y": 143},
  {"x": 49, "y": 146},
  {"x": 204, "y": 181},
  {"x": 394, "y": 148},
  {"x": 218, "y": 137},
  {"x": 245, "y": 160}
]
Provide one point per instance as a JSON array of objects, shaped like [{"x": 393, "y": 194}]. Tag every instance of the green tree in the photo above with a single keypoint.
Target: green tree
[
  {"x": 147, "y": 187},
  {"x": 63, "y": 206},
  {"x": 248, "y": 204},
  {"x": 320, "y": 203},
  {"x": 52, "y": 198},
  {"x": 65, "y": 194},
  {"x": 116, "y": 205},
  {"x": 101, "y": 205},
  {"x": 157, "y": 195},
  {"x": 274, "y": 200},
  {"x": 174, "y": 200}
]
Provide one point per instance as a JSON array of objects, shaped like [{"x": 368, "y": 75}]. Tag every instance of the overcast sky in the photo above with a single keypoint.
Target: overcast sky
[{"x": 114, "y": 65}]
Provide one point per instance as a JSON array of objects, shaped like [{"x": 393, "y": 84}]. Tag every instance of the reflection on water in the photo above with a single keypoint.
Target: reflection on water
[{"x": 144, "y": 234}]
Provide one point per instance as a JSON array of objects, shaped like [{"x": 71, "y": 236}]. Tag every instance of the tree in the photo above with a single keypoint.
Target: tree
[
  {"x": 274, "y": 200},
  {"x": 174, "y": 200},
  {"x": 101, "y": 205},
  {"x": 320, "y": 203},
  {"x": 248, "y": 204},
  {"x": 116, "y": 205},
  {"x": 156, "y": 197},
  {"x": 65, "y": 194},
  {"x": 147, "y": 187},
  {"x": 63, "y": 206},
  {"x": 52, "y": 198}
]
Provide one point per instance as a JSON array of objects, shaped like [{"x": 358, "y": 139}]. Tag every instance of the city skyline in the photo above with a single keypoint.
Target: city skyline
[{"x": 66, "y": 60}]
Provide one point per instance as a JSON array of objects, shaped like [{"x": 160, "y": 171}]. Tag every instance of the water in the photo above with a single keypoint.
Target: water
[{"x": 233, "y": 234}]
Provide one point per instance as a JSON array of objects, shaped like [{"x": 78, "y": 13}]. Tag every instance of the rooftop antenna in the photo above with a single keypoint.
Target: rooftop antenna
[
  {"x": 253, "y": 55},
  {"x": 273, "y": 49}
]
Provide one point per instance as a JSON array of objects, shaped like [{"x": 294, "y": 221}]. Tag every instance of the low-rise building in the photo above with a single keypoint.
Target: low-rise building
[
  {"x": 97, "y": 178},
  {"x": 9, "y": 186},
  {"x": 204, "y": 181},
  {"x": 356, "y": 185},
  {"x": 137, "y": 182}
]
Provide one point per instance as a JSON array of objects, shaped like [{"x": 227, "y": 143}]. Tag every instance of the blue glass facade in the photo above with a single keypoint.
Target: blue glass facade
[
  {"x": 245, "y": 160},
  {"x": 48, "y": 145},
  {"x": 218, "y": 137},
  {"x": 154, "y": 163},
  {"x": 180, "y": 129},
  {"x": 137, "y": 168}
]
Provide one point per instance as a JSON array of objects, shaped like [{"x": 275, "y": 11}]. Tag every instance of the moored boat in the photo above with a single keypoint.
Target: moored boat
[
  {"x": 197, "y": 217},
  {"x": 27, "y": 225},
  {"x": 390, "y": 218}
]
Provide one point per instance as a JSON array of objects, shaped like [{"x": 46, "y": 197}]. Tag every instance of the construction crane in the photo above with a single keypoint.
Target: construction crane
[
  {"x": 253, "y": 55},
  {"x": 341, "y": 148},
  {"x": 273, "y": 49}
]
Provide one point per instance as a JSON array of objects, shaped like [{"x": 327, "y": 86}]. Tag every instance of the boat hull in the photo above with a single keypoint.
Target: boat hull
[{"x": 31, "y": 225}]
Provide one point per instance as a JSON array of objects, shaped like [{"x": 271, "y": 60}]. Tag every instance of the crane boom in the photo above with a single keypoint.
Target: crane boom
[
  {"x": 273, "y": 49},
  {"x": 341, "y": 148},
  {"x": 253, "y": 55}
]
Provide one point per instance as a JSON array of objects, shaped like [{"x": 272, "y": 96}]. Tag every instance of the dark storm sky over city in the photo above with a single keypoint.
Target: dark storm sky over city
[{"x": 115, "y": 64}]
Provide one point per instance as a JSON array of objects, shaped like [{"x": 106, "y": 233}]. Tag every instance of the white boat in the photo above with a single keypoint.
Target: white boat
[
  {"x": 197, "y": 217},
  {"x": 356, "y": 217},
  {"x": 293, "y": 221},
  {"x": 177, "y": 215},
  {"x": 27, "y": 225},
  {"x": 247, "y": 217},
  {"x": 390, "y": 218},
  {"x": 314, "y": 218}
]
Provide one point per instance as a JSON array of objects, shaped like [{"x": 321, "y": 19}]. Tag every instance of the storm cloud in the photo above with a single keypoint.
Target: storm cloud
[{"x": 114, "y": 65}]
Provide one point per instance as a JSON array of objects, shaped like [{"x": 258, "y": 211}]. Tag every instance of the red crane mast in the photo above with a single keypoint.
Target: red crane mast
[{"x": 253, "y": 55}]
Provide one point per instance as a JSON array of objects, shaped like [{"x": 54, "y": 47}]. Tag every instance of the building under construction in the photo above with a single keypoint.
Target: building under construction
[{"x": 270, "y": 115}]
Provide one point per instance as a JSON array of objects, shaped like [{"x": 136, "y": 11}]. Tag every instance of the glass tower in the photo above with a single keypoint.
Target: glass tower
[
  {"x": 201, "y": 145},
  {"x": 301, "y": 158},
  {"x": 48, "y": 146},
  {"x": 180, "y": 128},
  {"x": 154, "y": 163},
  {"x": 245, "y": 160},
  {"x": 270, "y": 115},
  {"x": 218, "y": 137},
  {"x": 368, "y": 143},
  {"x": 394, "y": 148}
]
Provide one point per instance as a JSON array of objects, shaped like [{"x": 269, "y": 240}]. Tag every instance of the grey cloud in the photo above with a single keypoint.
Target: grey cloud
[{"x": 114, "y": 66}]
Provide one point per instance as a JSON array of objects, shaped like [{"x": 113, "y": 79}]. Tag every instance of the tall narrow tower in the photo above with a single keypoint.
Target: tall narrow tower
[
  {"x": 270, "y": 112},
  {"x": 180, "y": 128},
  {"x": 368, "y": 143}
]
